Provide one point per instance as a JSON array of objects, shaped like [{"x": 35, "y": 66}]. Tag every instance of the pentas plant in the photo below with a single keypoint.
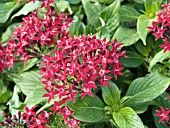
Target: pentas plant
[
  {"x": 160, "y": 28},
  {"x": 12, "y": 122},
  {"x": 73, "y": 68},
  {"x": 164, "y": 116},
  {"x": 33, "y": 36},
  {"x": 69, "y": 65}
]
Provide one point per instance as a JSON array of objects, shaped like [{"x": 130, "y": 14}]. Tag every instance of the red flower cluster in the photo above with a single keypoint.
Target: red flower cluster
[
  {"x": 74, "y": 64},
  {"x": 33, "y": 122},
  {"x": 160, "y": 28},
  {"x": 164, "y": 115},
  {"x": 33, "y": 35},
  {"x": 77, "y": 62}
]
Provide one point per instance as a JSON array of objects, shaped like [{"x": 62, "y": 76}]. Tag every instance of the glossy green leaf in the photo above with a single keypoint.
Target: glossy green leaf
[
  {"x": 140, "y": 108},
  {"x": 62, "y": 5},
  {"x": 99, "y": 125},
  {"x": 27, "y": 81},
  {"x": 77, "y": 26},
  {"x": 103, "y": 33},
  {"x": 133, "y": 60},
  {"x": 106, "y": 1},
  {"x": 159, "y": 57},
  {"x": 126, "y": 35},
  {"x": 88, "y": 109},
  {"x": 30, "y": 63},
  {"x": 5, "y": 94},
  {"x": 141, "y": 48},
  {"x": 7, "y": 34},
  {"x": 128, "y": 13},
  {"x": 92, "y": 10},
  {"x": 111, "y": 94},
  {"x": 111, "y": 16},
  {"x": 35, "y": 97},
  {"x": 14, "y": 102},
  {"x": 142, "y": 23},
  {"x": 163, "y": 100},
  {"x": 146, "y": 88},
  {"x": 140, "y": 1},
  {"x": 2, "y": 118},
  {"x": 127, "y": 118},
  {"x": 28, "y": 7},
  {"x": 73, "y": 1},
  {"x": 6, "y": 10},
  {"x": 151, "y": 7}
]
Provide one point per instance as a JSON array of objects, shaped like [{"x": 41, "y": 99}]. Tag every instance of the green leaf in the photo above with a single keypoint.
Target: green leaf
[
  {"x": 2, "y": 118},
  {"x": 163, "y": 100},
  {"x": 159, "y": 57},
  {"x": 140, "y": 108},
  {"x": 111, "y": 17},
  {"x": 6, "y": 10},
  {"x": 103, "y": 33},
  {"x": 146, "y": 88},
  {"x": 28, "y": 81},
  {"x": 99, "y": 125},
  {"x": 30, "y": 63},
  {"x": 111, "y": 94},
  {"x": 127, "y": 118},
  {"x": 77, "y": 26},
  {"x": 142, "y": 23},
  {"x": 88, "y": 109},
  {"x": 62, "y": 5},
  {"x": 133, "y": 60},
  {"x": 35, "y": 97},
  {"x": 73, "y": 1},
  {"x": 28, "y": 7},
  {"x": 14, "y": 101},
  {"x": 46, "y": 105},
  {"x": 92, "y": 10},
  {"x": 7, "y": 34},
  {"x": 128, "y": 13},
  {"x": 141, "y": 48},
  {"x": 140, "y": 1},
  {"x": 126, "y": 35},
  {"x": 151, "y": 7},
  {"x": 5, "y": 94},
  {"x": 106, "y": 1},
  {"x": 19, "y": 66}
]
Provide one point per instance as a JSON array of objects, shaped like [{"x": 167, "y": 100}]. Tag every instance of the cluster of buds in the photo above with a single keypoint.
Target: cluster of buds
[
  {"x": 14, "y": 122},
  {"x": 164, "y": 116},
  {"x": 161, "y": 28},
  {"x": 32, "y": 121}
]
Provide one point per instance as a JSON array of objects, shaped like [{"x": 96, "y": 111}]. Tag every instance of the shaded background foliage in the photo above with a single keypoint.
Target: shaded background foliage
[{"x": 125, "y": 20}]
